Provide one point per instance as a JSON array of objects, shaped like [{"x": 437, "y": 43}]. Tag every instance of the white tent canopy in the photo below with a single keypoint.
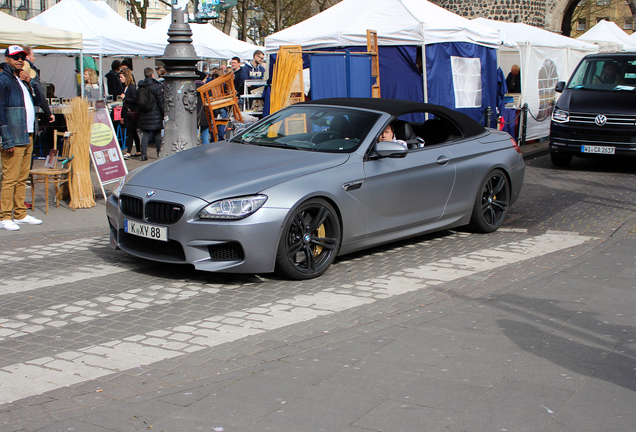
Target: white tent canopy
[
  {"x": 398, "y": 22},
  {"x": 208, "y": 41},
  {"x": 104, "y": 31},
  {"x": 609, "y": 37},
  {"x": 632, "y": 38},
  {"x": 14, "y": 31},
  {"x": 544, "y": 59}
]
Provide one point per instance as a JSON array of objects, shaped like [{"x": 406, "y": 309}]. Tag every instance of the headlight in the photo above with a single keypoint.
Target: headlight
[
  {"x": 560, "y": 116},
  {"x": 120, "y": 185},
  {"x": 233, "y": 208}
]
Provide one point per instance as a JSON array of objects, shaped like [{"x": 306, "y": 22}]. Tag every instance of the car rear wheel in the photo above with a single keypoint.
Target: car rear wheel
[
  {"x": 560, "y": 160},
  {"x": 491, "y": 203},
  {"x": 310, "y": 241}
]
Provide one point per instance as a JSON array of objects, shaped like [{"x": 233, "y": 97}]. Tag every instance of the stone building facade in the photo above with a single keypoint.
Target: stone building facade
[
  {"x": 530, "y": 12},
  {"x": 553, "y": 15}
]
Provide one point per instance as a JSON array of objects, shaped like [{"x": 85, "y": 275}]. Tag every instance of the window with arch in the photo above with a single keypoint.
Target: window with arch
[{"x": 548, "y": 77}]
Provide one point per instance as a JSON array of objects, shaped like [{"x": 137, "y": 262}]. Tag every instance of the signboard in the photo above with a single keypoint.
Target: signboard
[{"x": 105, "y": 152}]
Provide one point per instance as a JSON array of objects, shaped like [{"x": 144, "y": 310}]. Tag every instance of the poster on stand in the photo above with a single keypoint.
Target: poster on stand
[{"x": 105, "y": 151}]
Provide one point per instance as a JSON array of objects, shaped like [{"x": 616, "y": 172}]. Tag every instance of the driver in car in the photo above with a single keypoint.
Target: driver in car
[
  {"x": 609, "y": 75},
  {"x": 389, "y": 135}
]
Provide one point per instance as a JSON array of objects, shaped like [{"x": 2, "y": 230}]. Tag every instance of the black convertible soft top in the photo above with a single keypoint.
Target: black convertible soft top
[{"x": 397, "y": 107}]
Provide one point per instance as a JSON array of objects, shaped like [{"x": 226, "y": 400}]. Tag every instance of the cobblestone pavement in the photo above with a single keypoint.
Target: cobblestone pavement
[{"x": 92, "y": 339}]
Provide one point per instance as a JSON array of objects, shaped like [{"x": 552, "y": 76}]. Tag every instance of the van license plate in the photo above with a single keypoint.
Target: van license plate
[
  {"x": 598, "y": 149},
  {"x": 144, "y": 230}
]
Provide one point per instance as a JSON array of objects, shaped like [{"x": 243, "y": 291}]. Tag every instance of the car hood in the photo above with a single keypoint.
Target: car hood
[
  {"x": 223, "y": 170},
  {"x": 597, "y": 102}
]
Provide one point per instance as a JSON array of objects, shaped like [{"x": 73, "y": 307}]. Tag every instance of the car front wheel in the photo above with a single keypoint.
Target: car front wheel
[
  {"x": 491, "y": 203},
  {"x": 310, "y": 241}
]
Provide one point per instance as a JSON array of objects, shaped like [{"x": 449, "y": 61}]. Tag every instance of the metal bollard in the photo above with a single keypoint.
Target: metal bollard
[
  {"x": 488, "y": 116},
  {"x": 524, "y": 125}
]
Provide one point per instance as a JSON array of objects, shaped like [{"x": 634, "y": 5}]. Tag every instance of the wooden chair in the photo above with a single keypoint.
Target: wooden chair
[
  {"x": 220, "y": 93},
  {"x": 54, "y": 175}
]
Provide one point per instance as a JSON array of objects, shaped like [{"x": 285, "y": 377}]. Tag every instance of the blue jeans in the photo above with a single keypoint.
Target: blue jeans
[
  {"x": 221, "y": 128},
  {"x": 205, "y": 135}
]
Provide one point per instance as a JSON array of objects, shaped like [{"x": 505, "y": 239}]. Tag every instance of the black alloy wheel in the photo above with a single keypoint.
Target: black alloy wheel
[
  {"x": 310, "y": 241},
  {"x": 491, "y": 204}
]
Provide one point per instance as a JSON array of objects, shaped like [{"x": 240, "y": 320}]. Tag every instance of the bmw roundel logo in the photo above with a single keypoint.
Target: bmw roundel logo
[
  {"x": 150, "y": 193},
  {"x": 600, "y": 120}
]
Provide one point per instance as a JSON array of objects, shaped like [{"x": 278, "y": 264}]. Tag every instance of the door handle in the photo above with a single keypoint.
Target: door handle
[{"x": 443, "y": 160}]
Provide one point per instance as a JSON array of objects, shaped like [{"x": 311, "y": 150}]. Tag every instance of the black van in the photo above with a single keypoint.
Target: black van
[{"x": 596, "y": 113}]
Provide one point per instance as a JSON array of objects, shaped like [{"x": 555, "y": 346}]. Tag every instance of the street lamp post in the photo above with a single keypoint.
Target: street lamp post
[
  {"x": 180, "y": 59},
  {"x": 22, "y": 11},
  {"x": 6, "y": 7},
  {"x": 255, "y": 17}
]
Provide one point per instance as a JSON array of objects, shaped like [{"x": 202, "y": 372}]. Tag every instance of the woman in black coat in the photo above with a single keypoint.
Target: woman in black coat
[{"x": 130, "y": 112}]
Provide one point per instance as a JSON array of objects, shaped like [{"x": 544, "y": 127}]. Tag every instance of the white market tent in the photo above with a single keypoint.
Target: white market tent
[
  {"x": 544, "y": 58},
  {"x": 14, "y": 31},
  {"x": 632, "y": 38},
  {"x": 609, "y": 37},
  {"x": 208, "y": 41},
  {"x": 398, "y": 22},
  {"x": 104, "y": 31},
  {"x": 440, "y": 35}
]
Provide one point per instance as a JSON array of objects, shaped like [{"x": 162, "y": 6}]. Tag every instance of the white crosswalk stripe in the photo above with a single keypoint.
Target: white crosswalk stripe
[
  {"x": 57, "y": 276},
  {"x": 64, "y": 369}
]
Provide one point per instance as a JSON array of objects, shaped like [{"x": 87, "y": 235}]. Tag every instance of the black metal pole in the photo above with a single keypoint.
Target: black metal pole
[
  {"x": 488, "y": 115},
  {"x": 524, "y": 126}
]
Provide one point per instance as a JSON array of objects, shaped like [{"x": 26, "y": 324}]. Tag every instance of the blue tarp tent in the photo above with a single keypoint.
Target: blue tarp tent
[{"x": 460, "y": 60}]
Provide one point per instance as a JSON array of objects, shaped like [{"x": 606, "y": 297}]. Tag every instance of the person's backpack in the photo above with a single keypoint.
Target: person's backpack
[{"x": 145, "y": 99}]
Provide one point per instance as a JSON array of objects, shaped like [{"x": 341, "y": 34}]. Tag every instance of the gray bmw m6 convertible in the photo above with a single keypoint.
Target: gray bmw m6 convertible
[{"x": 314, "y": 181}]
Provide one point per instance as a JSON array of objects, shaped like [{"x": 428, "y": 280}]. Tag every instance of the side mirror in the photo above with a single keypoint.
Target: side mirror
[
  {"x": 390, "y": 149},
  {"x": 560, "y": 86}
]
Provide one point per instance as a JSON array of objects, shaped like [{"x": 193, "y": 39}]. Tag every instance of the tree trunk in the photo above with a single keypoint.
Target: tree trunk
[
  {"x": 227, "y": 24},
  {"x": 244, "y": 21},
  {"x": 277, "y": 21}
]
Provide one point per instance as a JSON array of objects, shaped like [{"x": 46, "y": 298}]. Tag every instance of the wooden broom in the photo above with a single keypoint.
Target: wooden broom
[
  {"x": 285, "y": 73},
  {"x": 79, "y": 122}
]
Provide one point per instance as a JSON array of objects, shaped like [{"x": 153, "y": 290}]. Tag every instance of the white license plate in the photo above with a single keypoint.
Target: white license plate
[
  {"x": 597, "y": 149},
  {"x": 145, "y": 230}
]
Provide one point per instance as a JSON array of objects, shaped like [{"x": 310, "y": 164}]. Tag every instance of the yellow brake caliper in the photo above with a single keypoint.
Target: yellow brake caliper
[{"x": 320, "y": 232}]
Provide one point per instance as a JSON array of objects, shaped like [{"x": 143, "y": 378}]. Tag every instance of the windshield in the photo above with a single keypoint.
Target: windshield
[
  {"x": 312, "y": 128},
  {"x": 598, "y": 73}
]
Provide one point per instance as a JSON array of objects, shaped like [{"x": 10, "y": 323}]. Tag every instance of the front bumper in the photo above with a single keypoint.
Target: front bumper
[
  {"x": 569, "y": 138},
  {"x": 242, "y": 246}
]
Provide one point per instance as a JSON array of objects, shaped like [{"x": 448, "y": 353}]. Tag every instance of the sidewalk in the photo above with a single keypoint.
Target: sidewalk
[{"x": 63, "y": 221}]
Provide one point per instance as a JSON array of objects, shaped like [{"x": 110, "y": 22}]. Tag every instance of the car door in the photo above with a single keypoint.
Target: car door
[{"x": 410, "y": 191}]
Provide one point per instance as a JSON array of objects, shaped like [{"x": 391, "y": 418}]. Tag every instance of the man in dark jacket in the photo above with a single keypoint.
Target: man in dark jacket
[
  {"x": 115, "y": 87},
  {"x": 253, "y": 70},
  {"x": 17, "y": 124},
  {"x": 151, "y": 121},
  {"x": 238, "y": 74},
  {"x": 33, "y": 78},
  {"x": 513, "y": 80}
]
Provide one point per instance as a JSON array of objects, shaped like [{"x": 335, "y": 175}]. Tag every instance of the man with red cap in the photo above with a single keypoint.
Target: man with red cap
[{"x": 17, "y": 124}]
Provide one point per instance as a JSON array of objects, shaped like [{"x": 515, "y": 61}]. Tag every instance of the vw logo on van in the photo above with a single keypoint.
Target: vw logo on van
[{"x": 600, "y": 120}]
